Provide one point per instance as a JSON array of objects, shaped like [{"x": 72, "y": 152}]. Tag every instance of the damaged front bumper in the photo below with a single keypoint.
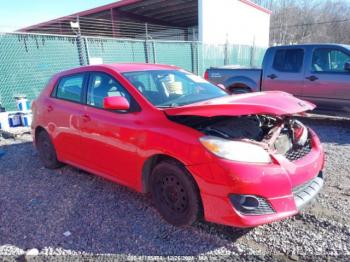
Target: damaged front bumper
[
  {"x": 305, "y": 193},
  {"x": 285, "y": 186}
]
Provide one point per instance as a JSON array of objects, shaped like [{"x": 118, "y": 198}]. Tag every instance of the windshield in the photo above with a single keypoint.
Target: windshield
[{"x": 171, "y": 88}]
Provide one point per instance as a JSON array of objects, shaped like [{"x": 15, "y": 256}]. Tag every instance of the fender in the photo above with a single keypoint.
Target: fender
[{"x": 241, "y": 81}]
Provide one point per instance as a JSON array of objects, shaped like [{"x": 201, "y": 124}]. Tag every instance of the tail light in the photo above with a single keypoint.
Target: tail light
[
  {"x": 206, "y": 75},
  {"x": 33, "y": 106}
]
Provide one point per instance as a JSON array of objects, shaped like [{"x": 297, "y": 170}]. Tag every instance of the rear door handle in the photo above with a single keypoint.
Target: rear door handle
[
  {"x": 49, "y": 109},
  {"x": 272, "y": 76},
  {"x": 312, "y": 78},
  {"x": 86, "y": 118}
]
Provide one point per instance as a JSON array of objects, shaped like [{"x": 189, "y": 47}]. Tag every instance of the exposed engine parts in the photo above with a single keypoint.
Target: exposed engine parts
[{"x": 280, "y": 135}]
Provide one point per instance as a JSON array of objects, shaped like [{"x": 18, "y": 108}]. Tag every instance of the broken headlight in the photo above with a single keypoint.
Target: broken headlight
[
  {"x": 235, "y": 150},
  {"x": 300, "y": 133}
]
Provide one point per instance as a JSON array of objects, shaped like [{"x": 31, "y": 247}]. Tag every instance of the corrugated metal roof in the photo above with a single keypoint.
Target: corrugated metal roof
[{"x": 171, "y": 12}]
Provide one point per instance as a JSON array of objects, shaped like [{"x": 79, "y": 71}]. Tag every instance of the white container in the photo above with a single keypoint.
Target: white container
[
  {"x": 22, "y": 103},
  {"x": 4, "y": 120},
  {"x": 26, "y": 119}
]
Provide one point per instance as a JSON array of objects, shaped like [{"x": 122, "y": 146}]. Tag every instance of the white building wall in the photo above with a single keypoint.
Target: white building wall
[{"x": 234, "y": 21}]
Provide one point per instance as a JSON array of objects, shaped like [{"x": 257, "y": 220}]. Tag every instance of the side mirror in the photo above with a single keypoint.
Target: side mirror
[
  {"x": 116, "y": 103},
  {"x": 347, "y": 66}
]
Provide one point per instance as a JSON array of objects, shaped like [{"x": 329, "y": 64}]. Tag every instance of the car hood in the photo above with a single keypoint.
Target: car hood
[{"x": 271, "y": 103}]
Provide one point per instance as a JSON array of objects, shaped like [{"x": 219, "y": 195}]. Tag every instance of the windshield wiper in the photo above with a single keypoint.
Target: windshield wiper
[
  {"x": 167, "y": 106},
  {"x": 164, "y": 106}
]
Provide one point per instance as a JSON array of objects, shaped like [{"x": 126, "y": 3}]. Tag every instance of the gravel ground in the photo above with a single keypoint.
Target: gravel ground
[{"x": 72, "y": 213}]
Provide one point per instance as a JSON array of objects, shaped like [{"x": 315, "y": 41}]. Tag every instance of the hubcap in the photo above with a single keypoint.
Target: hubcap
[{"x": 172, "y": 194}]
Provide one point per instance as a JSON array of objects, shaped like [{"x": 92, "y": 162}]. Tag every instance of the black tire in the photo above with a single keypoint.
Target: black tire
[
  {"x": 175, "y": 194},
  {"x": 240, "y": 90},
  {"x": 46, "y": 151}
]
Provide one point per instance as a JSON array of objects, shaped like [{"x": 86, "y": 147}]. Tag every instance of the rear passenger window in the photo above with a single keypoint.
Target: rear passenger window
[
  {"x": 71, "y": 88},
  {"x": 288, "y": 60}
]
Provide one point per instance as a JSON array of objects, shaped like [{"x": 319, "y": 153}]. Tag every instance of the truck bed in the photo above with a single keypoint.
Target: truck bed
[{"x": 229, "y": 74}]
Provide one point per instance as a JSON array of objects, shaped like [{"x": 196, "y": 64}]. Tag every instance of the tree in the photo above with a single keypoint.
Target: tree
[{"x": 305, "y": 21}]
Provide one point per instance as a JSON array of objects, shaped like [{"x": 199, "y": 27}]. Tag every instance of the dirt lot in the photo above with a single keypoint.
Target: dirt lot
[{"x": 70, "y": 212}]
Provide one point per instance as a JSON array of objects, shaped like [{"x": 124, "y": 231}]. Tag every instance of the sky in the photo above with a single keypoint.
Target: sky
[{"x": 16, "y": 14}]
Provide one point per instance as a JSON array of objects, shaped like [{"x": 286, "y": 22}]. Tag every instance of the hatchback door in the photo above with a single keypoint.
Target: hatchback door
[
  {"x": 327, "y": 82},
  {"x": 63, "y": 112},
  {"x": 110, "y": 138},
  {"x": 284, "y": 71}
]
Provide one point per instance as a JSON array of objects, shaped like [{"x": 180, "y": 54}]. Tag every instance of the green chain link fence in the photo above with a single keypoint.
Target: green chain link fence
[
  {"x": 27, "y": 61},
  {"x": 115, "y": 50}
]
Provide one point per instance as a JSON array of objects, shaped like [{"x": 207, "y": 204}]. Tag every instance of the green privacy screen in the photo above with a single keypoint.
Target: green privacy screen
[
  {"x": 239, "y": 55},
  {"x": 28, "y": 61},
  {"x": 114, "y": 50},
  {"x": 175, "y": 53}
]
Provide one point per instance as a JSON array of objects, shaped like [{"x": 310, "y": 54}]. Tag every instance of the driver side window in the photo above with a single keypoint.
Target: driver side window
[
  {"x": 329, "y": 60},
  {"x": 102, "y": 85}
]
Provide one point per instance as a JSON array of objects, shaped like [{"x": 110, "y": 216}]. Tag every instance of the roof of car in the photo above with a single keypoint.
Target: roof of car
[
  {"x": 120, "y": 68},
  {"x": 128, "y": 67},
  {"x": 312, "y": 45}
]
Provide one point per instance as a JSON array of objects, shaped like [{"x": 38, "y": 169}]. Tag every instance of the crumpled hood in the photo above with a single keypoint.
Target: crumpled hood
[{"x": 271, "y": 103}]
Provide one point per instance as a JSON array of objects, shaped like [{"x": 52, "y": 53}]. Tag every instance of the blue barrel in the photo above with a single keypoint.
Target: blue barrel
[
  {"x": 26, "y": 119},
  {"x": 15, "y": 120},
  {"x": 22, "y": 103}
]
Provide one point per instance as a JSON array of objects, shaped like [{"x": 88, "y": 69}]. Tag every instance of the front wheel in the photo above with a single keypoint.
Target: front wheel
[
  {"x": 46, "y": 151},
  {"x": 175, "y": 194}
]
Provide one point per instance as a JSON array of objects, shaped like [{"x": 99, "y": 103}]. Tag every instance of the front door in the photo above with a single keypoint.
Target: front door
[
  {"x": 110, "y": 138},
  {"x": 327, "y": 82}
]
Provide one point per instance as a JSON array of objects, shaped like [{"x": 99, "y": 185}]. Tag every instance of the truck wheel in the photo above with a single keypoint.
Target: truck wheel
[
  {"x": 46, "y": 151},
  {"x": 240, "y": 90},
  {"x": 175, "y": 194}
]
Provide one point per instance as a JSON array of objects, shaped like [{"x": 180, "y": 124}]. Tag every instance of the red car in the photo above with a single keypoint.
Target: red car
[{"x": 239, "y": 160}]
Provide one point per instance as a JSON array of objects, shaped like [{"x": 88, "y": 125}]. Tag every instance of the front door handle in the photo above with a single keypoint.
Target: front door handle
[
  {"x": 272, "y": 76},
  {"x": 86, "y": 118},
  {"x": 312, "y": 78}
]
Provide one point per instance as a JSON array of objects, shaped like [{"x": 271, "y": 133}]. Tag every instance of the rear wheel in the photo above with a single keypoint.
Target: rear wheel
[
  {"x": 175, "y": 194},
  {"x": 240, "y": 90},
  {"x": 46, "y": 150}
]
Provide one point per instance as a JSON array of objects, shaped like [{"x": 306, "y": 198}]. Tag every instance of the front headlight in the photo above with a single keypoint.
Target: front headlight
[{"x": 235, "y": 150}]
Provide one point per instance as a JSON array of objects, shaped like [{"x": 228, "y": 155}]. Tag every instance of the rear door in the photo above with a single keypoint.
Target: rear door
[
  {"x": 327, "y": 83},
  {"x": 284, "y": 70},
  {"x": 64, "y": 110}
]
